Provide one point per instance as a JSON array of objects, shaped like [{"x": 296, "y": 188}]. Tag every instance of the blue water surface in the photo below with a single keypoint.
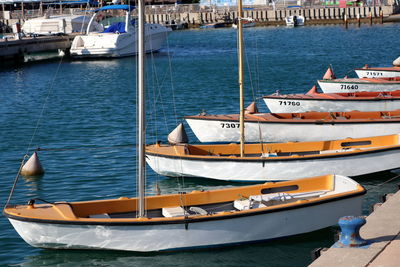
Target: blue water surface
[{"x": 83, "y": 113}]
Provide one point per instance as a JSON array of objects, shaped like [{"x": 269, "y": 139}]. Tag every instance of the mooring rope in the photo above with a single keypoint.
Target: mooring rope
[
  {"x": 34, "y": 132},
  {"x": 172, "y": 81},
  {"x": 255, "y": 91},
  {"x": 85, "y": 148},
  {"x": 15, "y": 181},
  {"x": 391, "y": 179},
  {"x": 44, "y": 104}
]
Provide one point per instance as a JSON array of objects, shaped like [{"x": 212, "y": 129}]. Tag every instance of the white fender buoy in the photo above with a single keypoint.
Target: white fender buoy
[
  {"x": 396, "y": 62},
  {"x": 178, "y": 135},
  {"x": 32, "y": 167},
  {"x": 251, "y": 109},
  {"x": 329, "y": 75}
]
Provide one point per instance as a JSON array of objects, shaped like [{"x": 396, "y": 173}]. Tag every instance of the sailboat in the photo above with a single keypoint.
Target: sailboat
[
  {"x": 316, "y": 101},
  {"x": 186, "y": 220},
  {"x": 378, "y": 72},
  {"x": 286, "y": 127},
  {"x": 276, "y": 161},
  {"x": 330, "y": 84}
]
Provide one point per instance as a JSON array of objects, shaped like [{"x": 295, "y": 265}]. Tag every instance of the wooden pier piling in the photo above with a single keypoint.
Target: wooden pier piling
[{"x": 370, "y": 18}]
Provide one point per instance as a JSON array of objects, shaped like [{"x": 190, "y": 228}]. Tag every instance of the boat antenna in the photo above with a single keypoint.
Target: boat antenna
[
  {"x": 241, "y": 75},
  {"x": 141, "y": 109}
]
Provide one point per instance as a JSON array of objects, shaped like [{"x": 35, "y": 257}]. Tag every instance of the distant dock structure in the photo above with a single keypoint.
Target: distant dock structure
[
  {"x": 266, "y": 12},
  {"x": 263, "y": 12},
  {"x": 270, "y": 12}
]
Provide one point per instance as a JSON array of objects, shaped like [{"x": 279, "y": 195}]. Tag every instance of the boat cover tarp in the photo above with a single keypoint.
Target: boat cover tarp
[
  {"x": 93, "y": 3},
  {"x": 116, "y": 27},
  {"x": 113, "y": 7}
]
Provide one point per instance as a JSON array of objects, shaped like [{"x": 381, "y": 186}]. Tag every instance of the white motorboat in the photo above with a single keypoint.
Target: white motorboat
[
  {"x": 315, "y": 101},
  {"x": 186, "y": 220},
  {"x": 176, "y": 24},
  {"x": 247, "y": 23},
  {"x": 296, "y": 20},
  {"x": 119, "y": 38},
  {"x": 59, "y": 24},
  {"x": 290, "y": 127}
]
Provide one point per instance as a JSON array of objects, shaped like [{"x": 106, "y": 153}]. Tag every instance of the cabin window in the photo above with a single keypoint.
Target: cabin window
[
  {"x": 279, "y": 189},
  {"x": 358, "y": 143}
]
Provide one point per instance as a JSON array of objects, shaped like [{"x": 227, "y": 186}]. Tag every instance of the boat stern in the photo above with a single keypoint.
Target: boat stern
[{"x": 95, "y": 45}]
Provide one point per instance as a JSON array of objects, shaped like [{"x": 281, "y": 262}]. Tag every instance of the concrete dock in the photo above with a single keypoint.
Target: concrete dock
[
  {"x": 382, "y": 230},
  {"x": 13, "y": 50}
]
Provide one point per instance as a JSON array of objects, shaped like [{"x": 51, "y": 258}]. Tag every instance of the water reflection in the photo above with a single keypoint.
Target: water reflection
[{"x": 291, "y": 249}]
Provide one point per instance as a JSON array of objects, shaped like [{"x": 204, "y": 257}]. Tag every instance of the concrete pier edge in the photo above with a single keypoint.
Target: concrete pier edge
[{"x": 382, "y": 230}]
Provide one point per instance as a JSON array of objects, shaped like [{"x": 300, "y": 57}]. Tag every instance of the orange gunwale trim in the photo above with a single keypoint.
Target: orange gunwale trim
[{"x": 297, "y": 150}]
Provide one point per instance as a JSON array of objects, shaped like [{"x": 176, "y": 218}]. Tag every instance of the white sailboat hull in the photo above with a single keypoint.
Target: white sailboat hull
[
  {"x": 332, "y": 86},
  {"x": 211, "y": 233},
  {"x": 270, "y": 169},
  {"x": 371, "y": 73},
  {"x": 302, "y": 105},
  {"x": 217, "y": 131},
  {"x": 117, "y": 45}
]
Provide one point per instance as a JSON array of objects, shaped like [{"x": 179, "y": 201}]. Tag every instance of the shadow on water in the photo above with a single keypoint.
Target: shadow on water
[
  {"x": 264, "y": 254},
  {"x": 377, "y": 185},
  {"x": 374, "y": 180}
]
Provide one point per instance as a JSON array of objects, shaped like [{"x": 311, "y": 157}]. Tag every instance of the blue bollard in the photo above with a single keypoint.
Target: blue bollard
[{"x": 350, "y": 235}]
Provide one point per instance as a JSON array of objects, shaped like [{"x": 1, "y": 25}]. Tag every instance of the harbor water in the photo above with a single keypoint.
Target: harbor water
[{"x": 81, "y": 113}]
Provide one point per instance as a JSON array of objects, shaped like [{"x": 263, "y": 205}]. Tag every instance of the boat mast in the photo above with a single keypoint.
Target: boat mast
[
  {"x": 141, "y": 109},
  {"x": 241, "y": 76}
]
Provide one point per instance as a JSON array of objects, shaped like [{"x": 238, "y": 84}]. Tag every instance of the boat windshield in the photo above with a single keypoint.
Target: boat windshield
[{"x": 111, "y": 23}]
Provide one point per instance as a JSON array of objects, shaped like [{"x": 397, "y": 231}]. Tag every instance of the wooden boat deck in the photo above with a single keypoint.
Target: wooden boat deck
[
  {"x": 393, "y": 68},
  {"x": 392, "y": 95},
  {"x": 392, "y": 80},
  {"x": 307, "y": 117}
]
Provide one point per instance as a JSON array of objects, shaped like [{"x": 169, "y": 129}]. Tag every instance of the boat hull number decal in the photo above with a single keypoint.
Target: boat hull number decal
[
  {"x": 289, "y": 103},
  {"x": 349, "y": 87},
  {"x": 229, "y": 125},
  {"x": 373, "y": 73}
]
